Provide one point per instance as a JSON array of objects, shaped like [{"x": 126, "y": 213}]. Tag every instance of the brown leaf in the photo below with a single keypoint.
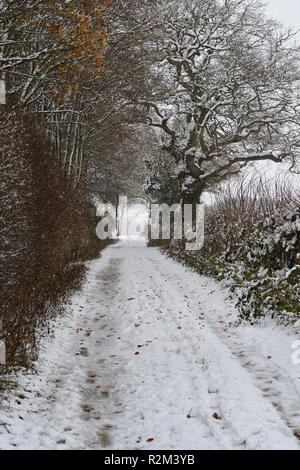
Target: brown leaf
[{"x": 150, "y": 439}]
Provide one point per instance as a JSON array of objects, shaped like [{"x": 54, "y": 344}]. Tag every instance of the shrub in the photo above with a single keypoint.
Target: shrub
[
  {"x": 46, "y": 233},
  {"x": 252, "y": 243}
]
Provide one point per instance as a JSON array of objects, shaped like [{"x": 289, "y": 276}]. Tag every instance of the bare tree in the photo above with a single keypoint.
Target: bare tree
[{"x": 230, "y": 73}]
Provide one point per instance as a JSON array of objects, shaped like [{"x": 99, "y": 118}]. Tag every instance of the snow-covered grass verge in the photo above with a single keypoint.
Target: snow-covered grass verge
[{"x": 252, "y": 243}]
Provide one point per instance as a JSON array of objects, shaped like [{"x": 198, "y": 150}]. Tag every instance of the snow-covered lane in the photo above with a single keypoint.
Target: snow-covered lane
[{"x": 146, "y": 360}]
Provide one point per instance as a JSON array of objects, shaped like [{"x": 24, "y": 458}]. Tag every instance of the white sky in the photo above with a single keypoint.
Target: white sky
[{"x": 287, "y": 11}]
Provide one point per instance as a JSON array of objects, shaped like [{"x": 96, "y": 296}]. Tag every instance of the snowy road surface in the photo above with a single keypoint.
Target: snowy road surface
[{"x": 148, "y": 358}]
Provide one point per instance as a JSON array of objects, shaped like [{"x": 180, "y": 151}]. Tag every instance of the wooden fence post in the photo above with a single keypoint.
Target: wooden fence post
[
  {"x": 2, "y": 92},
  {"x": 2, "y": 353}
]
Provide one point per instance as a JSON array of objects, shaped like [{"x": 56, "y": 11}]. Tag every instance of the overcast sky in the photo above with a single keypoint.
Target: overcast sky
[{"x": 287, "y": 11}]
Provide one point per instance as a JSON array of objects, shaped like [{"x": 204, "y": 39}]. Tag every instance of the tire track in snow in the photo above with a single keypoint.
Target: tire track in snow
[
  {"x": 157, "y": 275},
  {"x": 278, "y": 385},
  {"x": 138, "y": 360}
]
